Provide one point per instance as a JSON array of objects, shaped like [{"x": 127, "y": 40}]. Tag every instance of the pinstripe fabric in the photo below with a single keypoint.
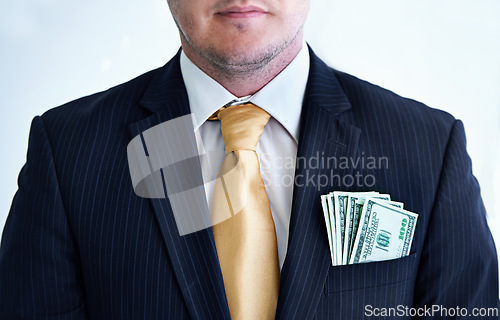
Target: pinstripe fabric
[{"x": 80, "y": 244}]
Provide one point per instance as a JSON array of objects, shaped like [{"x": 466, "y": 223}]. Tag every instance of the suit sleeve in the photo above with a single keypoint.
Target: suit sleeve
[
  {"x": 40, "y": 273},
  {"x": 459, "y": 265}
]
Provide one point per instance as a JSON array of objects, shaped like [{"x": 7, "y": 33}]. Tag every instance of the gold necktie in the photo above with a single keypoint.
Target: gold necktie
[{"x": 246, "y": 242}]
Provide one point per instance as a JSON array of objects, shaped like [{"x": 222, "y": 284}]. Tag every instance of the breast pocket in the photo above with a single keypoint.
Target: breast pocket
[
  {"x": 369, "y": 275},
  {"x": 354, "y": 289}
]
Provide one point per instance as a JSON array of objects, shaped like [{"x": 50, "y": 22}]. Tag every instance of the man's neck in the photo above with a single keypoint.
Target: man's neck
[{"x": 244, "y": 81}]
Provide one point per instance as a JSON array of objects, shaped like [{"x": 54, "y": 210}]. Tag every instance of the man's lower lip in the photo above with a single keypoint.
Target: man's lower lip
[{"x": 242, "y": 15}]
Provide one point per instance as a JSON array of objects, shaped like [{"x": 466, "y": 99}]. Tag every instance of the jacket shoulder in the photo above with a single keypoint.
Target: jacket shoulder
[
  {"x": 117, "y": 98},
  {"x": 374, "y": 100}
]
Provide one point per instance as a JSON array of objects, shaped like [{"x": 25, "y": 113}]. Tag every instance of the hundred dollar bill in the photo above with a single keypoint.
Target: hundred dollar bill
[
  {"x": 340, "y": 199},
  {"x": 364, "y": 218},
  {"x": 388, "y": 235},
  {"x": 331, "y": 215},
  {"x": 335, "y": 230},
  {"x": 349, "y": 221},
  {"x": 352, "y": 219},
  {"x": 326, "y": 213},
  {"x": 358, "y": 210}
]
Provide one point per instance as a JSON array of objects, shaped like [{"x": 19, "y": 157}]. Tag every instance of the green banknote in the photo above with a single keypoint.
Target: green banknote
[
  {"x": 366, "y": 227},
  {"x": 388, "y": 233}
]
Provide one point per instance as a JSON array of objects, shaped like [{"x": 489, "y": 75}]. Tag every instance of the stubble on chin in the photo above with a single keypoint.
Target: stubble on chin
[
  {"x": 234, "y": 62},
  {"x": 239, "y": 61}
]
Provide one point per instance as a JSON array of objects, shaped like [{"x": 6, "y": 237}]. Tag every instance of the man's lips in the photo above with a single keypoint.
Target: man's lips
[{"x": 241, "y": 12}]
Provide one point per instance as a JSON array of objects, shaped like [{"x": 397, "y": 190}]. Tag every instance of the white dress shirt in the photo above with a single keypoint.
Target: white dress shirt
[{"x": 277, "y": 148}]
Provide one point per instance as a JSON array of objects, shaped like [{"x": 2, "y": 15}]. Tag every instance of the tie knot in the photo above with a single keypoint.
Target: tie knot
[{"x": 242, "y": 126}]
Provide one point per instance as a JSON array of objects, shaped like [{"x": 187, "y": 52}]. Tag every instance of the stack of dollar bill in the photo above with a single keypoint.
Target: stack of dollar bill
[{"x": 366, "y": 227}]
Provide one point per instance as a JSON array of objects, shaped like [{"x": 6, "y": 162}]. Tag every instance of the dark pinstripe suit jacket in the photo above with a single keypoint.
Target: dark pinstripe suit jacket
[{"x": 80, "y": 244}]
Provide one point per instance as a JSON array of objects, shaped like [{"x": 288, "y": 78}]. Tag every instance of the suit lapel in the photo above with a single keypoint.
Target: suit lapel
[
  {"x": 193, "y": 256},
  {"x": 323, "y": 135}
]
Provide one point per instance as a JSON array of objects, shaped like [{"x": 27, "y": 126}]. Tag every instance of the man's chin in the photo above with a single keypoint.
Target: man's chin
[
  {"x": 245, "y": 52},
  {"x": 243, "y": 59}
]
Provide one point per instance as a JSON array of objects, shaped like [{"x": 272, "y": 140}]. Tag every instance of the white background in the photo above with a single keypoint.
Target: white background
[{"x": 443, "y": 53}]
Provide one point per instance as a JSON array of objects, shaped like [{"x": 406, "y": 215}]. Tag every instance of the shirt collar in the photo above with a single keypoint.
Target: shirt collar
[{"x": 282, "y": 97}]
